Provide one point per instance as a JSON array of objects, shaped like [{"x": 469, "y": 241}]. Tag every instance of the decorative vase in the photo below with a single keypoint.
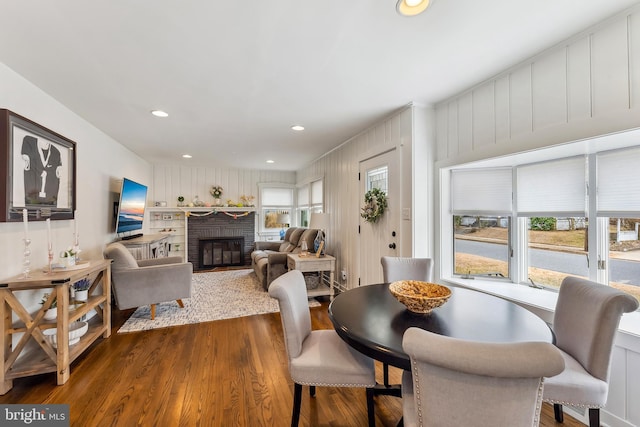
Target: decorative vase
[
  {"x": 51, "y": 314},
  {"x": 216, "y": 202},
  {"x": 316, "y": 243},
  {"x": 70, "y": 261},
  {"x": 82, "y": 295}
]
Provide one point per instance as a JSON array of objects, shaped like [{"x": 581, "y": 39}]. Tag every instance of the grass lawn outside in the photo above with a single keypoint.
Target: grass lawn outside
[{"x": 573, "y": 240}]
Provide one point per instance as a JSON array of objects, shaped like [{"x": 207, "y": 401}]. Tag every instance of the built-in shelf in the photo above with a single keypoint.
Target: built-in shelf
[{"x": 172, "y": 221}]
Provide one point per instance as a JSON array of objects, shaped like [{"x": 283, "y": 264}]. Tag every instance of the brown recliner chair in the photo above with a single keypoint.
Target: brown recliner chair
[
  {"x": 269, "y": 259},
  {"x": 147, "y": 282}
]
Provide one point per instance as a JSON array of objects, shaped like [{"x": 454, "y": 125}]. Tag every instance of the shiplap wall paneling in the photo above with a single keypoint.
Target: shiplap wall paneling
[
  {"x": 520, "y": 102},
  {"x": 616, "y": 400},
  {"x": 452, "y": 128},
  {"x": 484, "y": 117},
  {"x": 170, "y": 181},
  {"x": 465, "y": 123},
  {"x": 342, "y": 189},
  {"x": 633, "y": 387},
  {"x": 502, "y": 108},
  {"x": 610, "y": 68},
  {"x": 549, "y": 90},
  {"x": 579, "y": 80},
  {"x": 442, "y": 126},
  {"x": 634, "y": 58},
  {"x": 159, "y": 191}
]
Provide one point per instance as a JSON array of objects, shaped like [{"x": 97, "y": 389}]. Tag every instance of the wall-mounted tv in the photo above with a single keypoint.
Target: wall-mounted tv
[{"x": 133, "y": 199}]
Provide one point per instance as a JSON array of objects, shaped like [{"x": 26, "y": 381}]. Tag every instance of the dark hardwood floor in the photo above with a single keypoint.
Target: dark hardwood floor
[{"x": 225, "y": 373}]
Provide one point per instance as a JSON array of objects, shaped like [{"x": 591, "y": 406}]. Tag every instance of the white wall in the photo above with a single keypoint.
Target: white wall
[
  {"x": 585, "y": 87},
  {"x": 100, "y": 162},
  {"x": 171, "y": 181},
  {"x": 408, "y": 133}
]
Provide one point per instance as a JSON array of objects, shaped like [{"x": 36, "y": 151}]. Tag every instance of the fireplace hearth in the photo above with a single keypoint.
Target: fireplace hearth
[
  {"x": 220, "y": 251},
  {"x": 218, "y": 239}
]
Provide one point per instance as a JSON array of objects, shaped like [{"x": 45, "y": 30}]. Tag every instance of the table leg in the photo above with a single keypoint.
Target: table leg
[
  {"x": 62, "y": 359},
  {"x": 5, "y": 342},
  {"x": 331, "y": 277}
]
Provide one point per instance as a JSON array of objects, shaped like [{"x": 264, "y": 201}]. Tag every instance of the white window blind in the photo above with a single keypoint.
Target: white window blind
[
  {"x": 316, "y": 192},
  {"x": 274, "y": 196},
  {"x": 481, "y": 191},
  {"x": 303, "y": 195},
  {"x": 618, "y": 180},
  {"x": 558, "y": 187}
]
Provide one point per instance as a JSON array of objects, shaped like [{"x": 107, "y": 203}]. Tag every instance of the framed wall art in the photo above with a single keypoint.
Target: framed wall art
[{"x": 40, "y": 170}]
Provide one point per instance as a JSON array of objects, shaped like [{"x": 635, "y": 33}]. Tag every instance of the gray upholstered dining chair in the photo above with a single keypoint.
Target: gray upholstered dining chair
[
  {"x": 400, "y": 268},
  {"x": 149, "y": 281},
  {"x": 585, "y": 322},
  {"x": 454, "y": 382},
  {"x": 320, "y": 357},
  {"x": 404, "y": 268}
]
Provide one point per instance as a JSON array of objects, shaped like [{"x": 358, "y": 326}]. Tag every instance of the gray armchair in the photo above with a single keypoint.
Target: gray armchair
[{"x": 147, "y": 282}]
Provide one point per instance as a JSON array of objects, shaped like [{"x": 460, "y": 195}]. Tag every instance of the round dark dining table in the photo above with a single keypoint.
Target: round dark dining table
[{"x": 373, "y": 322}]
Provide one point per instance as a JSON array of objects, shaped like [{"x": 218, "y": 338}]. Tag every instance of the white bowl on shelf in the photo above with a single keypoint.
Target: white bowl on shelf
[{"x": 76, "y": 331}]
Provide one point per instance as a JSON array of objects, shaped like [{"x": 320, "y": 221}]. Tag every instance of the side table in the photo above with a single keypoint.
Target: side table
[
  {"x": 17, "y": 319},
  {"x": 148, "y": 246},
  {"x": 312, "y": 263}
]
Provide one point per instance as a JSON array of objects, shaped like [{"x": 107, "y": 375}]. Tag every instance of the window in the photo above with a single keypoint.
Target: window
[
  {"x": 310, "y": 200},
  {"x": 481, "y": 245},
  {"x": 481, "y": 207},
  {"x": 624, "y": 254},
  {"x": 377, "y": 178},
  {"x": 551, "y": 201},
  {"x": 618, "y": 204},
  {"x": 275, "y": 200},
  {"x": 561, "y": 227}
]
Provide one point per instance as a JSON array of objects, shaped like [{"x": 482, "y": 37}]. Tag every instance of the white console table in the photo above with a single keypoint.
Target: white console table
[{"x": 311, "y": 263}]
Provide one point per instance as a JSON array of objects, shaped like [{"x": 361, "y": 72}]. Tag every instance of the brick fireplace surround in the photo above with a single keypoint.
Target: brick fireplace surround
[{"x": 220, "y": 225}]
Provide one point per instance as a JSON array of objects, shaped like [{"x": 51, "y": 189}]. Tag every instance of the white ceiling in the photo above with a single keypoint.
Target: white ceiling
[{"x": 235, "y": 75}]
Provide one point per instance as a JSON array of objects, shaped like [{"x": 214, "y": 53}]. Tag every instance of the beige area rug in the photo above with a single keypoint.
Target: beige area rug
[{"x": 215, "y": 296}]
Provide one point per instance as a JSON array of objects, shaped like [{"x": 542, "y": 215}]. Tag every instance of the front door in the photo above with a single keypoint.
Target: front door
[{"x": 380, "y": 238}]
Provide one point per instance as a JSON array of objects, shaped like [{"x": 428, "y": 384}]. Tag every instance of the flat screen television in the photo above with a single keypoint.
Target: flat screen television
[{"x": 133, "y": 199}]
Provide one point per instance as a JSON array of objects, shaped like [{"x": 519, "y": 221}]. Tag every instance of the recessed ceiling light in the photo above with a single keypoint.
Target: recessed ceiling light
[
  {"x": 412, "y": 7},
  {"x": 187, "y": 156},
  {"x": 297, "y": 127},
  {"x": 159, "y": 113},
  {"x": 270, "y": 161}
]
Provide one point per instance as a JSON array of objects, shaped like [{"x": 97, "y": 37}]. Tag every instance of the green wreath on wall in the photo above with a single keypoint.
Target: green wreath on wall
[{"x": 375, "y": 203}]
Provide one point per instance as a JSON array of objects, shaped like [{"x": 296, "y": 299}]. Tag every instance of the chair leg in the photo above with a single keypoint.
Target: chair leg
[
  {"x": 594, "y": 417},
  {"x": 370, "y": 413},
  {"x": 557, "y": 411},
  {"x": 297, "y": 402},
  {"x": 153, "y": 311},
  {"x": 385, "y": 374},
  {"x": 312, "y": 391},
  {"x": 180, "y": 303}
]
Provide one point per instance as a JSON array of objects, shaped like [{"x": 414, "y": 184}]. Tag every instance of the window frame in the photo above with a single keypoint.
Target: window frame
[
  {"x": 264, "y": 209},
  {"x": 597, "y": 232}
]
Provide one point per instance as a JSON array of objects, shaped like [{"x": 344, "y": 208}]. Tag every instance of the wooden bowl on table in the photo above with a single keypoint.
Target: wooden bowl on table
[{"x": 419, "y": 297}]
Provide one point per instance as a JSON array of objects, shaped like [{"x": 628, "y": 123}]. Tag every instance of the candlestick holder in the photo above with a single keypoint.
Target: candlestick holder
[
  {"x": 26, "y": 261},
  {"x": 50, "y": 260},
  {"x": 76, "y": 246}
]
